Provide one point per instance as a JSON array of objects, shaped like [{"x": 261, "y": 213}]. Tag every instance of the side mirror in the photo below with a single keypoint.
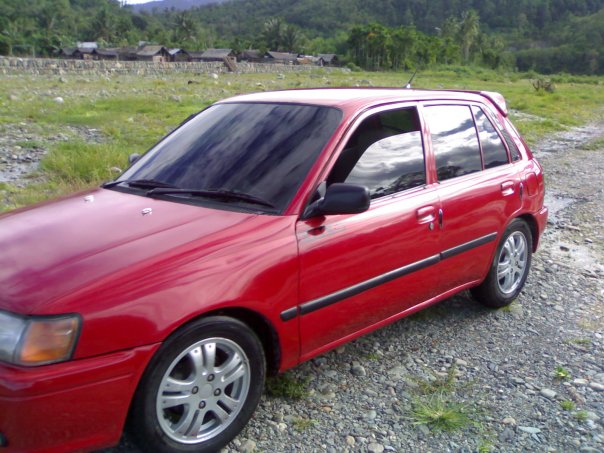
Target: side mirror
[
  {"x": 133, "y": 158},
  {"x": 340, "y": 198}
]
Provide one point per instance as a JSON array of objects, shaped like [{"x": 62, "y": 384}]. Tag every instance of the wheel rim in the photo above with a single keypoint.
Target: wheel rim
[
  {"x": 512, "y": 262},
  {"x": 203, "y": 390}
]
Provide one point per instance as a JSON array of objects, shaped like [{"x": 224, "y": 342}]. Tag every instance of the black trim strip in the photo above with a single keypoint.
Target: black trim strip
[
  {"x": 468, "y": 246},
  {"x": 288, "y": 314},
  {"x": 345, "y": 293},
  {"x": 366, "y": 285}
]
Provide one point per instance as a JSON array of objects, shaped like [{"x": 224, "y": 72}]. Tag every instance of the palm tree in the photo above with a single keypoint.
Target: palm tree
[{"x": 469, "y": 30}]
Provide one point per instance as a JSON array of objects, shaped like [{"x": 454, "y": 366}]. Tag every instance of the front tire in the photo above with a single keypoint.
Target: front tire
[
  {"x": 200, "y": 389},
  {"x": 509, "y": 268}
]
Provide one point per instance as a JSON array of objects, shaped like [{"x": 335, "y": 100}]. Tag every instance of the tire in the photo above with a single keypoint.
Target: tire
[
  {"x": 509, "y": 268},
  {"x": 200, "y": 388}
]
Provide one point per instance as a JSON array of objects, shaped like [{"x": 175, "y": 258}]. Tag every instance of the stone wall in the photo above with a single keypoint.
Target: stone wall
[{"x": 48, "y": 66}]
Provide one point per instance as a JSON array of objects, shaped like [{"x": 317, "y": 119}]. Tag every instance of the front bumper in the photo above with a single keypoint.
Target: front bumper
[{"x": 79, "y": 405}]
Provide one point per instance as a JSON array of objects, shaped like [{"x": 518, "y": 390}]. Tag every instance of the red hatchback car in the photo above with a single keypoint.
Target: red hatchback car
[{"x": 265, "y": 230}]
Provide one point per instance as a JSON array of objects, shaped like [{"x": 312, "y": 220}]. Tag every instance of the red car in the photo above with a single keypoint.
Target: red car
[{"x": 265, "y": 230}]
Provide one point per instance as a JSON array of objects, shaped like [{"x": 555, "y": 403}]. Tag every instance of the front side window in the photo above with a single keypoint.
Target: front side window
[
  {"x": 454, "y": 140},
  {"x": 384, "y": 154},
  {"x": 261, "y": 150},
  {"x": 493, "y": 149}
]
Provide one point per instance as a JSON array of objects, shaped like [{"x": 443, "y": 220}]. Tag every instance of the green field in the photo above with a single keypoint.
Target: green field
[{"x": 132, "y": 113}]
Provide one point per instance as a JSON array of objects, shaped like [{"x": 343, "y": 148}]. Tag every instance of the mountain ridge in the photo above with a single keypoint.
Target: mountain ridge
[{"x": 179, "y": 5}]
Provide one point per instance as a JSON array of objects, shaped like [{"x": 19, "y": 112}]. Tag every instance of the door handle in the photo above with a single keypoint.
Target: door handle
[
  {"x": 507, "y": 188},
  {"x": 425, "y": 214}
]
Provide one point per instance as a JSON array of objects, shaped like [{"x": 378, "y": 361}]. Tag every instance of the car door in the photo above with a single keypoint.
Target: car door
[
  {"x": 359, "y": 270},
  {"x": 479, "y": 190}
]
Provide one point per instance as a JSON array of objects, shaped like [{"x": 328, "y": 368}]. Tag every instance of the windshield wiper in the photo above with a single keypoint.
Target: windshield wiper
[
  {"x": 142, "y": 183},
  {"x": 213, "y": 193}
]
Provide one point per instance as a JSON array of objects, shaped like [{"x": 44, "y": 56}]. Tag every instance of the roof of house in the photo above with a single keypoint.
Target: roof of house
[
  {"x": 252, "y": 53},
  {"x": 149, "y": 51},
  {"x": 216, "y": 53},
  {"x": 87, "y": 45},
  {"x": 68, "y": 50},
  {"x": 113, "y": 52},
  {"x": 282, "y": 55},
  {"x": 177, "y": 51},
  {"x": 327, "y": 57}
]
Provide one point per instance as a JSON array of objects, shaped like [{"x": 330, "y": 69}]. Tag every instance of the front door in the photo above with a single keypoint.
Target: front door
[{"x": 359, "y": 270}]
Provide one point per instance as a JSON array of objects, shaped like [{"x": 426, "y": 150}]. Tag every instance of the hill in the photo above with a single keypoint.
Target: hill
[{"x": 179, "y": 5}]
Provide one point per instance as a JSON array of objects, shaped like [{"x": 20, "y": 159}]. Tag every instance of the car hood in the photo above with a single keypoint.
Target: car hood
[{"x": 56, "y": 248}]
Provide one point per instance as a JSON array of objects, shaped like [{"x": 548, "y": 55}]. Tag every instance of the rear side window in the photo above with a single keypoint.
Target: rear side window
[
  {"x": 493, "y": 149},
  {"x": 454, "y": 140},
  {"x": 514, "y": 152}
]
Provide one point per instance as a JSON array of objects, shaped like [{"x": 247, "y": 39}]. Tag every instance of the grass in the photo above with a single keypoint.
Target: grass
[
  {"x": 302, "y": 424},
  {"x": 567, "y": 405},
  {"x": 581, "y": 416},
  {"x": 286, "y": 386},
  {"x": 561, "y": 373},
  {"x": 439, "y": 413},
  {"x": 593, "y": 145},
  {"x": 132, "y": 113}
]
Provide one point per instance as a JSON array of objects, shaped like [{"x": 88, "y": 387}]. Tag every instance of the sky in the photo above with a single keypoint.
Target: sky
[{"x": 132, "y": 2}]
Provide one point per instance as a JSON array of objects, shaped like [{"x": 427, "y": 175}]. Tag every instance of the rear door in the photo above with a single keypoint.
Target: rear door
[{"x": 479, "y": 190}]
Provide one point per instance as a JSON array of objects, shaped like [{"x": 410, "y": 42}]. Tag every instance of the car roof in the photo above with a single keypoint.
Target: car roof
[{"x": 359, "y": 98}]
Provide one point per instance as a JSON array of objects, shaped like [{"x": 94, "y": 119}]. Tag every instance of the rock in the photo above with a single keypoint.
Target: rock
[
  {"x": 461, "y": 362},
  {"x": 580, "y": 382},
  {"x": 509, "y": 421},
  {"x": 358, "y": 370},
  {"x": 507, "y": 435},
  {"x": 529, "y": 429},
  {"x": 247, "y": 446},
  {"x": 350, "y": 441},
  {"x": 59, "y": 100},
  {"x": 375, "y": 448},
  {"x": 371, "y": 415},
  {"x": 548, "y": 393},
  {"x": 214, "y": 76},
  {"x": 175, "y": 98},
  {"x": 596, "y": 386}
]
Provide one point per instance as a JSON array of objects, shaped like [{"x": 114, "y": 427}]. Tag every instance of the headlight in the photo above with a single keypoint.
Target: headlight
[{"x": 37, "y": 340}]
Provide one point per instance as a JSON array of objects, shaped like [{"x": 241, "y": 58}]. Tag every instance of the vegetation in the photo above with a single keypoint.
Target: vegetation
[
  {"x": 131, "y": 113},
  {"x": 439, "y": 413},
  {"x": 567, "y": 405},
  {"x": 286, "y": 386},
  {"x": 561, "y": 373},
  {"x": 548, "y": 36}
]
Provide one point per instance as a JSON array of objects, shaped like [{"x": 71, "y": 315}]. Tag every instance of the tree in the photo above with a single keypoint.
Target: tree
[{"x": 468, "y": 32}]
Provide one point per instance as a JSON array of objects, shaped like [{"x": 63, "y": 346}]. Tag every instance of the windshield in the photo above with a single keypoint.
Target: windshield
[{"x": 263, "y": 150}]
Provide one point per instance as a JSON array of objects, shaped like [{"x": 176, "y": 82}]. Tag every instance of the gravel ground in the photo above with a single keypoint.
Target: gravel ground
[{"x": 529, "y": 377}]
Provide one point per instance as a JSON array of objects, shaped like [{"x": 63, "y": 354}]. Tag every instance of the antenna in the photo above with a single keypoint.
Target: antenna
[{"x": 408, "y": 86}]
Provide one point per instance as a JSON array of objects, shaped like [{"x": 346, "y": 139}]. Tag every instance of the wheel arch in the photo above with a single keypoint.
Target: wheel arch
[{"x": 533, "y": 227}]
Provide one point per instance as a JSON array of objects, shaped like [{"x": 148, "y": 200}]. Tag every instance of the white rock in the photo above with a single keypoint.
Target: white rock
[
  {"x": 59, "y": 100},
  {"x": 247, "y": 446},
  {"x": 375, "y": 448},
  {"x": 548, "y": 393}
]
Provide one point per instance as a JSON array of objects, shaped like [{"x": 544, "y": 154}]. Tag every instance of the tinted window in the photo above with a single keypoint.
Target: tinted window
[
  {"x": 385, "y": 154},
  {"x": 454, "y": 140},
  {"x": 493, "y": 150},
  {"x": 390, "y": 165},
  {"x": 514, "y": 152},
  {"x": 264, "y": 150}
]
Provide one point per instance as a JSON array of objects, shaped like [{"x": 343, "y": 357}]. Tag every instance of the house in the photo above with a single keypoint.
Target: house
[
  {"x": 85, "y": 53},
  {"x": 107, "y": 54},
  {"x": 218, "y": 55},
  {"x": 251, "y": 56},
  {"x": 179, "y": 55},
  {"x": 158, "y": 54},
  {"x": 195, "y": 55},
  {"x": 327, "y": 59},
  {"x": 127, "y": 53},
  {"x": 67, "y": 52},
  {"x": 281, "y": 57}
]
